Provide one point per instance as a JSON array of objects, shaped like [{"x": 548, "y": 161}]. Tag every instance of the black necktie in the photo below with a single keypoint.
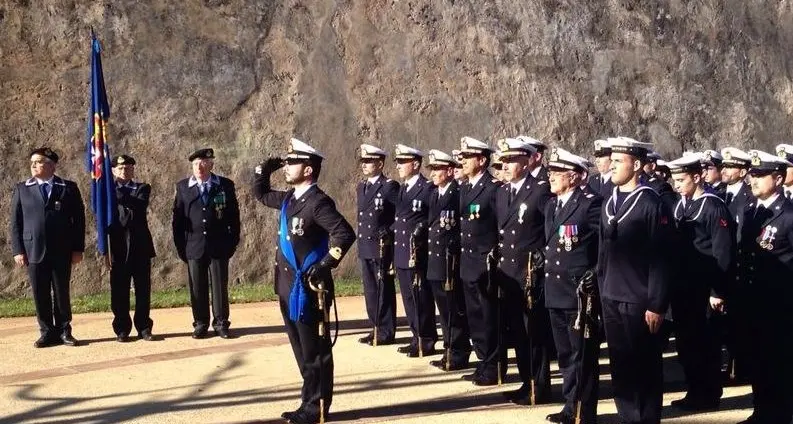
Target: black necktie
[
  {"x": 366, "y": 187},
  {"x": 558, "y": 207},
  {"x": 789, "y": 195},
  {"x": 729, "y": 197},
  {"x": 512, "y": 194},
  {"x": 205, "y": 193},
  {"x": 43, "y": 187}
]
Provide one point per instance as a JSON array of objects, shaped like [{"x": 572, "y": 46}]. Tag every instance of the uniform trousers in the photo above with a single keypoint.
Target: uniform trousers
[
  {"x": 206, "y": 273},
  {"x": 122, "y": 273},
  {"x": 382, "y": 299},
  {"x": 454, "y": 325},
  {"x": 636, "y": 362},
  {"x": 49, "y": 280},
  {"x": 578, "y": 363},
  {"x": 421, "y": 320},
  {"x": 314, "y": 356}
]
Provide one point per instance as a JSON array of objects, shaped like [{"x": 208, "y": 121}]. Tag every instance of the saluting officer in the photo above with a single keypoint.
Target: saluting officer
[
  {"x": 786, "y": 151},
  {"x": 312, "y": 239},
  {"x": 537, "y": 168},
  {"x": 520, "y": 219},
  {"x": 478, "y": 238},
  {"x": 206, "y": 231},
  {"x": 572, "y": 222},
  {"x": 634, "y": 285},
  {"x": 711, "y": 172},
  {"x": 601, "y": 181},
  {"x": 132, "y": 249},
  {"x": 376, "y": 208},
  {"x": 47, "y": 231},
  {"x": 410, "y": 251},
  {"x": 765, "y": 257},
  {"x": 443, "y": 262},
  {"x": 707, "y": 264}
]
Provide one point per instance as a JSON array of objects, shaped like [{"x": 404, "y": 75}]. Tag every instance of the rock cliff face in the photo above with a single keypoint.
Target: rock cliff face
[{"x": 243, "y": 76}]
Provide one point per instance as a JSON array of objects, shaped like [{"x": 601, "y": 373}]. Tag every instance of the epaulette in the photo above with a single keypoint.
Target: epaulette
[
  {"x": 540, "y": 182},
  {"x": 589, "y": 196}
]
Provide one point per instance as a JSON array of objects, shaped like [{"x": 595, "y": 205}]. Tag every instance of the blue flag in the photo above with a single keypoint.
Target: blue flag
[{"x": 97, "y": 152}]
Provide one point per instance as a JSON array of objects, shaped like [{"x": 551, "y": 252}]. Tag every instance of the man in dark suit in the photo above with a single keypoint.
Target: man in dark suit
[
  {"x": 131, "y": 248},
  {"x": 520, "y": 207},
  {"x": 312, "y": 239},
  {"x": 478, "y": 239},
  {"x": 376, "y": 208},
  {"x": 706, "y": 264},
  {"x": 410, "y": 251},
  {"x": 633, "y": 279},
  {"x": 206, "y": 231},
  {"x": 601, "y": 180},
  {"x": 443, "y": 262},
  {"x": 47, "y": 232},
  {"x": 765, "y": 263},
  {"x": 572, "y": 223}
]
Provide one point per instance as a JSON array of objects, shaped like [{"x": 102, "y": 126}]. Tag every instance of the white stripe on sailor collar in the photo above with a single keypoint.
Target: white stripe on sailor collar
[{"x": 637, "y": 192}]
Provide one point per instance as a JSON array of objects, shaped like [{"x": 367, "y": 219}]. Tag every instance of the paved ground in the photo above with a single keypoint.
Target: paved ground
[{"x": 253, "y": 378}]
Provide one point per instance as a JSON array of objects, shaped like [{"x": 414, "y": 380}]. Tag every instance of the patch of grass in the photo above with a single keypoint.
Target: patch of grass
[{"x": 168, "y": 298}]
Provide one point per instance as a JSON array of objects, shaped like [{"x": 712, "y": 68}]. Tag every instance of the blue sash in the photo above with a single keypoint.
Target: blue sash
[{"x": 298, "y": 297}]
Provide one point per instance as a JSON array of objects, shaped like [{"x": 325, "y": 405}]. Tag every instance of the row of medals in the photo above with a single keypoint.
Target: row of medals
[
  {"x": 767, "y": 237},
  {"x": 447, "y": 219},
  {"x": 566, "y": 240}
]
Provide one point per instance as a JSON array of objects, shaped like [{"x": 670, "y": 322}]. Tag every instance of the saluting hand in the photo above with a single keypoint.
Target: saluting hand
[
  {"x": 653, "y": 321},
  {"x": 21, "y": 260}
]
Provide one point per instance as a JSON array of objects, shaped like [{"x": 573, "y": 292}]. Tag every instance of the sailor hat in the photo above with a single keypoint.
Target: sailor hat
[
  {"x": 402, "y": 152},
  {"x": 785, "y": 151},
  {"x": 630, "y": 146},
  {"x": 735, "y": 158},
  {"x": 438, "y": 158},
  {"x": 765, "y": 163},
  {"x": 300, "y": 150},
  {"x": 602, "y": 148},
  {"x": 508, "y": 147},
  {"x": 372, "y": 152},
  {"x": 470, "y": 145},
  {"x": 686, "y": 164},
  {"x": 538, "y": 145},
  {"x": 562, "y": 160}
]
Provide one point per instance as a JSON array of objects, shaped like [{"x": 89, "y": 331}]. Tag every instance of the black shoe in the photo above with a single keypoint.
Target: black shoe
[
  {"x": 289, "y": 414},
  {"x": 750, "y": 420},
  {"x": 69, "y": 340},
  {"x": 485, "y": 380},
  {"x": 303, "y": 417},
  {"x": 381, "y": 342},
  {"x": 471, "y": 377},
  {"x": 559, "y": 418},
  {"x": 146, "y": 335},
  {"x": 199, "y": 334},
  {"x": 405, "y": 349},
  {"x": 122, "y": 337},
  {"x": 453, "y": 366},
  {"x": 415, "y": 352},
  {"x": 526, "y": 401},
  {"x": 693, "y": 404},
  {"x": 223, "y": 333},
  {"x": 367, "y": 339},
  {"x": 46, "y": 341}
]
